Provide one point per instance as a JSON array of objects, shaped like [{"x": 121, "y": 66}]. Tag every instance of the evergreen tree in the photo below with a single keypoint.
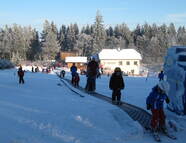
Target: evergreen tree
[
  {"x": 181, "y": 36},
  {"x": 99, "y": 34},
  {"x": 50, "y": 45},
  {"x": 35, "y": 51},
  {"x": 110, "y": 32},
  {"x": 172, "y": 35},
  {"x": 83, "y": 44},
  {"x": 70, "y": 38},
  {"x": 62, "y": 38}
]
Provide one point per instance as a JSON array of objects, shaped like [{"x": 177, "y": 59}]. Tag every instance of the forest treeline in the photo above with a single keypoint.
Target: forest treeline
[{"x": 19, "y": 43}]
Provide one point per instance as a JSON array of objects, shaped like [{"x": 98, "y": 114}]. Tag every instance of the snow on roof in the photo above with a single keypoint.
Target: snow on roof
[
  {"x": 114, "y": 54},
  {"x": 76, "y": 59}
]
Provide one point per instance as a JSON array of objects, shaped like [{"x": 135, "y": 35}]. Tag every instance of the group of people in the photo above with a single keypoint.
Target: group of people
[
  {"x": 154, "y": 101},
  {"x": 116, "y": 83},
  {"x": 35, "y": 70}
]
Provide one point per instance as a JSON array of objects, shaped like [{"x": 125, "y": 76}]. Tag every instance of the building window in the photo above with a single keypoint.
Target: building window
[
  {"x": 111, "y": 63},
  {"x": 127, "y": 63},
  {"x": 135, "y": 63},
  {"x": 120, "y": 63}
]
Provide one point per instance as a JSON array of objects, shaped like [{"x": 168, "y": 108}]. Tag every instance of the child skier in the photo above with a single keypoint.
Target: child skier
[
  {"x": 116, "y": 84},
  {"x": 20, "y": 73},
  {"x": 154, "y": 103},
  {"x": 161, "y": 76},
  {"x": 75, "y": 80},
  {"x": 62, "y": 74},
  {"x": 73, "y": 70}
]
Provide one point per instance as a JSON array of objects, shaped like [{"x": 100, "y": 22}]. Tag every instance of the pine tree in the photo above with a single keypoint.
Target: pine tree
[
  {"x": 62, "y": 38},
  {"x": 110, "y": 31},
  {"x": 83, "y": 44},
  {"x": 35, "y": 51},
  {"x": 50, "y": 45},
  {"x": 181, "y": 36},
  {"x": 70, "y": 38},
  {"x": 99, "y": 34},
  {"x": 172, "y": 35}
]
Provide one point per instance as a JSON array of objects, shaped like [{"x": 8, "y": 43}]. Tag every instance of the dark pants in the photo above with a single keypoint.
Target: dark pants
[
  {"x": 160, "y": 78},
  {"x": 116, "y": 94},
  {"x": 91, "y": 83},
  {"x": 21, "y": 80},
  {"x": 158, "y": 119},
  {"x": 73, "y": 77},
  {"x": 62, "y": 75},
  {"x": 76, "y": 83}
]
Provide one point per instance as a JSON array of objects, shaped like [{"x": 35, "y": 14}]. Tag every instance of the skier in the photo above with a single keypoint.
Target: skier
[
  {"x": 92, "y": 69},
  {"x": 21, "y": 75},
  {"x": 37, "y": 69},
  {"x": 98, "y": 74},
  {"x": 76, "y": 80},
  {"x": 161, "y": 76},
  {"x": 32, "y": 69},
  {"x": 154, "y": 103},
  {"x": 116, "y": 84},
  {"x": 62, "y": 74},
  {"x": 73, "y": 70}
]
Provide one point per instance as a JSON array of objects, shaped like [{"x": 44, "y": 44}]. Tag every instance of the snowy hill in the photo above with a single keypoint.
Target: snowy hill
[{"x": 40, "y": 111}]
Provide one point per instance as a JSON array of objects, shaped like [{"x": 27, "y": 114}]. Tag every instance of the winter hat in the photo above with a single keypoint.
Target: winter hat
[
  {"x": 164, "y": 85},
  {"x": 117, "y": 69}
]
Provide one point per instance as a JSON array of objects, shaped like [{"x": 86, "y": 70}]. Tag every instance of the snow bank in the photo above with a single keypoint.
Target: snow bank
[{"x": 5, "y": 64}]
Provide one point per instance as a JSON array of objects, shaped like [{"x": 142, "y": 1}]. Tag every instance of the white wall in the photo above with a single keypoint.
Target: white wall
[{"x": 110, "y": 65}]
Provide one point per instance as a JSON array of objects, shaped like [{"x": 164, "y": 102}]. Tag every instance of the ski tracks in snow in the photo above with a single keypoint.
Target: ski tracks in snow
[
  {"x": 51, "y": 130},
  {"x": 44, "y": 127},
  {"x": 17, "y": 106}
]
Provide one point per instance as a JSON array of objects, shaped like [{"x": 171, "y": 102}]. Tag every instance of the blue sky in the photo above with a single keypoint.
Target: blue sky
[{"x": 131, "y": 12}]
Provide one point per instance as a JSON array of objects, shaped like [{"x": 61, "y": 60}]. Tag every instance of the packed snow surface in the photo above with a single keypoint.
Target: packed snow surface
[{"x": 44, "y": 110}]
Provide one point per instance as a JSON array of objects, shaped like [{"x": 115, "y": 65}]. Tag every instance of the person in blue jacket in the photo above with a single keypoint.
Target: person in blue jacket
[
  {"x": 73, "y": 70},
  {"x": 161, "y": 76},
  {"x": 155, "y": 102}
]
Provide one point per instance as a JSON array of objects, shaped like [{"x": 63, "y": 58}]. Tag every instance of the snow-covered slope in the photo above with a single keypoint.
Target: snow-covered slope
[{"x": 40, "y": 111}]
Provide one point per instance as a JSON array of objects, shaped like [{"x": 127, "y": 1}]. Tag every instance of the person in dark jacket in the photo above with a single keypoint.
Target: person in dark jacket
[
  {"x": 76, "y": 80},
  {"x": 161, "y": 76},
  {"x": 21, "y": 75},
  {"x": 62, "y": 74},
  {"x": 92, "y": 69},
  {"x": 155, "y": 102},
  {"x": 32, "y": 69},
  {"x": 116, "y": 84},
  {"x": 73, "y": 70}
]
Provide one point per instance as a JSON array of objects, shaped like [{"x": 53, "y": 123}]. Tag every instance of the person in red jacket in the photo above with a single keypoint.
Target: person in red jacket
[
  {"x": 21, "y": 75},
  {"x": 155, "y": 102}
]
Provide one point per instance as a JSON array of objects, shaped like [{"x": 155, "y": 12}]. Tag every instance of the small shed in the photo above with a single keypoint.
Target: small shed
[{"x": 80, "y": 62}]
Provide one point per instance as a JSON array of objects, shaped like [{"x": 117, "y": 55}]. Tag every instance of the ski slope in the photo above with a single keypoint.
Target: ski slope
[{"x": 40, "y": 111}]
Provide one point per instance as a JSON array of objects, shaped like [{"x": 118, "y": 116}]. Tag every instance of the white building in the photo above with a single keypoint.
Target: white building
[
  {"x": 128, "y": 60},
  {"x": 79, "y": 61},
  {"x": 76, "y": 59}
]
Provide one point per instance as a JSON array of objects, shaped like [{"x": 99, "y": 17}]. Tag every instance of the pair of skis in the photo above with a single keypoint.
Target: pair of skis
[
  {"x": 117, "y": 102},
  {"x": 158, "y": 139}
]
